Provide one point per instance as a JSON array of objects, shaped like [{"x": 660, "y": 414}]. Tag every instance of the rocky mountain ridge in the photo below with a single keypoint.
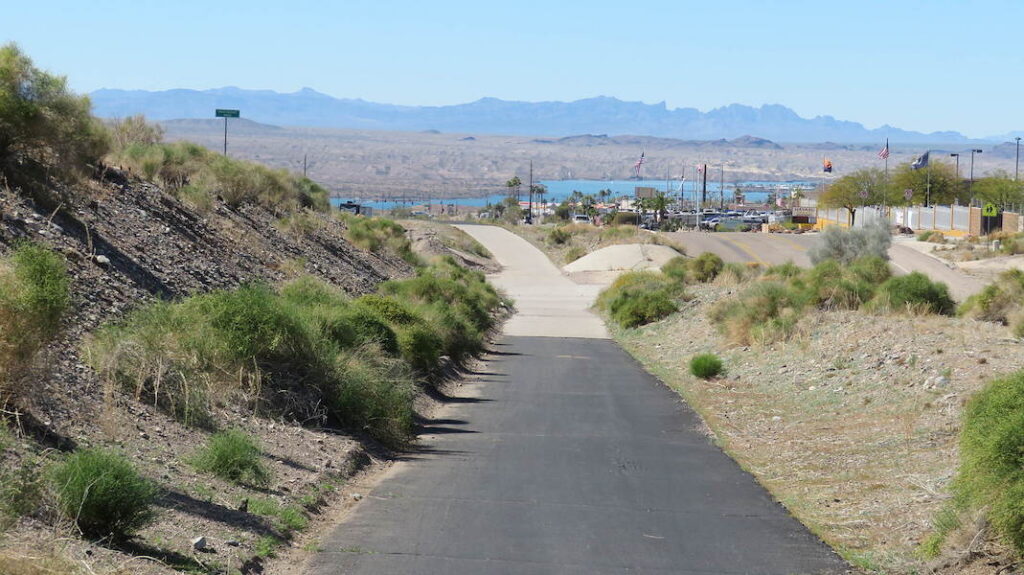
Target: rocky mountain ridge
[{"x": 601, "y": 114}]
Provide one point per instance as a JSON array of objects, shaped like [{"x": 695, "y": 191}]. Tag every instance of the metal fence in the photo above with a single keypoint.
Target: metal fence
[{"x": 956, "y": 219}]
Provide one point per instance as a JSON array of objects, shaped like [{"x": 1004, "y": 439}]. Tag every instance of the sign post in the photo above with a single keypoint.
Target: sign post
[{"x": 222, "y": 113}]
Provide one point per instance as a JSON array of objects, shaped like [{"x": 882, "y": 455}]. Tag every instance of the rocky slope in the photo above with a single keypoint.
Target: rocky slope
[{"x": 126, "y": 243}]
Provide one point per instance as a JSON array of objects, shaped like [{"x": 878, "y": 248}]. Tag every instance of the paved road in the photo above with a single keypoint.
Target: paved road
[
  {"x": 773, "y": 249},
  {"x": 560, "y": 456}
]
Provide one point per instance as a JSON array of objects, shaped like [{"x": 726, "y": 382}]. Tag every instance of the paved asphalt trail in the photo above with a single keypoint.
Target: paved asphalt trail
[{"x": 561, "y": 455}]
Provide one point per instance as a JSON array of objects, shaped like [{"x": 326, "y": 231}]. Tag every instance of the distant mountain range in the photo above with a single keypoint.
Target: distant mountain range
[{"x": 600, "y": 115}]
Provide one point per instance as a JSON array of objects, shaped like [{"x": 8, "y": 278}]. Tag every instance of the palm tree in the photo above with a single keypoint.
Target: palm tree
[{"x": 513, "y": 186}]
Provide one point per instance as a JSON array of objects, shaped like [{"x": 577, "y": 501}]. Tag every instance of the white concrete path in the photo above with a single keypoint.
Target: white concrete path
[{"x": 548, "y": 304}]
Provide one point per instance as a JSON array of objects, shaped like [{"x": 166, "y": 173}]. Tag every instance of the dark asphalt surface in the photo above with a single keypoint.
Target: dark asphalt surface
[{"x": 564, "y": 456}]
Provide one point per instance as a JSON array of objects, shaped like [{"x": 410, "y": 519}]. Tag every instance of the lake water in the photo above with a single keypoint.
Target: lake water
[{"x": 558, "y": 190}]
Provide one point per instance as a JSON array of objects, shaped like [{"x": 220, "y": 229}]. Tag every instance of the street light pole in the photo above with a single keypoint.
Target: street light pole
[
  {"x": 957, "y": 156},
  {"x": 970, "y": 186}
]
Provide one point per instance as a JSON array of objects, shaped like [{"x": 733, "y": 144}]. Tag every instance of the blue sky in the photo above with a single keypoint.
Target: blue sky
[{"x": 939, "y": 65}]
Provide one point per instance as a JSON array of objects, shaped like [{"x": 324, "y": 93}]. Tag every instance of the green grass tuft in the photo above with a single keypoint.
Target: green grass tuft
[
  {"x": 234, "y": 456},
  {"x": 101, "y": 492},
  {"x": 706, "y": 365}
]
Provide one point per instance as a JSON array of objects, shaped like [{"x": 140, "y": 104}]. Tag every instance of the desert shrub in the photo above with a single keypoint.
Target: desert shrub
[
  {"x": 460, "y": 240},
  {"x": 638, "y": 298},
  {"x": 871, "y": 269},
  {"x": 283, "y": 353},
  {"x": 643, "y": 308},
  {"x": 626, "y": 219},
  {"x": 847, "y": 245},
  {"x": 832, "y": 286},
  {"x": 305, "y": 351},
  {"x": 132, "y": 131},
  {"x": 234, "y": 456},
  {"x": 706, "y": 365},
  {"x": 913, "y": 292},
  {"x": 705, "y": 267},
  {"x": 574, "y": 253},
  {"x": 765, "y": 312},
  {"x": 374, "y": 393},
  {"x": 991, "y": 474},
  {"x": 931, "y": 236},
  {"x": 390, "y": 310},
  {"x": 103, "y": 494},
  {"x": 33, "y": 297},
  {"x": 676, "y": 268},
  {"x": 357, "y": 326},
  {"x": 420, "y": 346},
  {"x": 45, "y": 128},
  {"x": 299, "y": 224},
  {"x": 558, "y": 236},
  {"x": 734, "y": 273},
  {"x": 1000, "y": 301},
  {"x": 380, "y": 235},
  {"x": 22, "y": 490},
  {"x": 617, "y": 233},
  {"x": 783, "y": 271}
]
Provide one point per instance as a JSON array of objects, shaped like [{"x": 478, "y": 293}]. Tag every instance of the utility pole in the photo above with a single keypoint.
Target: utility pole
[
  {"x": 1016, "y": 168},
  {"x": 529, "y": 213},
  {"x": 721, "y": 190},
  {"x": 704, "y": 187}
]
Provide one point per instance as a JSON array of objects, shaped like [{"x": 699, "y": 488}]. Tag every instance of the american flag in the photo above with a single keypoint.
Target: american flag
[
  {"x": 884, "y": 152},
  {"x": 640, "y": 162}
]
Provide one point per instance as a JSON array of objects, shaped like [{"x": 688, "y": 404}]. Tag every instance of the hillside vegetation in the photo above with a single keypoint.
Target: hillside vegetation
[{"x": 192, "y": 345}]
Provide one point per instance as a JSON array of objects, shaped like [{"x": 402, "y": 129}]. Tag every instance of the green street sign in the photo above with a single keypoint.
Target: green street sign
[
  {"x": 989, "y": 210},
  {"x": 228, "y": 113}
]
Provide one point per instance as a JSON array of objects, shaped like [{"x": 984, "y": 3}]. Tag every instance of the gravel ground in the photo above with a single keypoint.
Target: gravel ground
[{"x": 852, "y": 424}]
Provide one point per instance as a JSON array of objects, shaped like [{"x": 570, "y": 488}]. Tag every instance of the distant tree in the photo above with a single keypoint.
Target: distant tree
[
  {"x": 659, "y": 205},
  {"x": 44, "y": 127},
  {"x": 563, "y": 211},
  {"x": 999, "y": 189},
  {"x": 943, "y": 184},
  {"x": 513, "y": 186},
  {"x": 511, "y": 211},
  {"x": 576, "y": 197},
  {"x": 540, "y": 190},
  {"x": 861, "y": 188},
  {"x": 604, "y": 194}
]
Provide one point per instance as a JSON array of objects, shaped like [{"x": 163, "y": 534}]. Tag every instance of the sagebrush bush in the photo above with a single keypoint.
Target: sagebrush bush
[
  {"x": 832, "y": 286},
  {"x": 33, "y": 297},
  {"x": 574, "y": 253},
  {"x": 103, "y": 494},
  {"x": 379, "y": 235},
  {"x": 676, "y": 268},
  {"x": 846, "y": 245},
  {"x": 991, "y": 474},
  {"x": 643, "y": 308},
  {"x": 706, "y": 365},
  {"x": 1000, "y": 301},
  {"x": 765, "y": 312},
  {"x": 234, "y": 456},
  {"x": 734, "y": 273},
  {"x": 558, "y": 236},
  {"x": 783, "y": 272},
  {"x": 305, "y": 351},
  {"x": 638, "y": 298},
  {"x": 914, "y": 292},
  {"x": 705, "y": 267}
]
